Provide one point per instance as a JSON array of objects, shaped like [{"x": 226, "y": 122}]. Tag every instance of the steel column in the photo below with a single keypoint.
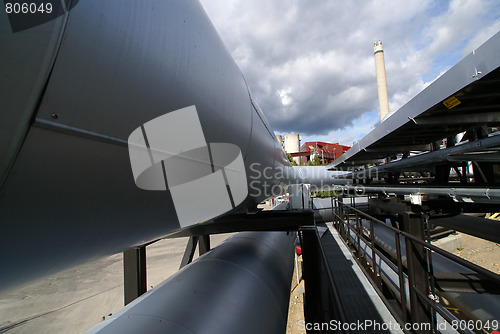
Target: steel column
[
  {"x": 189, "y": 253},
  {"x": 417, "y": 268},
  {"x": 322, "y": 303},
  {"x": 359, "y": 232},
  {"x": 341, "y": 217},
  {"x": 204, "y": 244},
  {"x": 312, "y": 276},
  {"x": 402, "y": 288},
  {"x": 134, "y": 273}
]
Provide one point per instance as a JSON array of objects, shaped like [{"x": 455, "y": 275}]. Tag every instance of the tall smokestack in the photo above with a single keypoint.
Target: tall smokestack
[
  {"x": 383, "y": 99},
  {"x": 292, "y": 145}
]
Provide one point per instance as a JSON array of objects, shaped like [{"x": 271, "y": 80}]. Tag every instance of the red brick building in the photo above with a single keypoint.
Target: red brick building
[{"x": 326, "y": 152}]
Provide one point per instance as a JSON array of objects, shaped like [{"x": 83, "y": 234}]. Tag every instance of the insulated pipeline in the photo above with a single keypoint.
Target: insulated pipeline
[{"x": 242, "y": 286}]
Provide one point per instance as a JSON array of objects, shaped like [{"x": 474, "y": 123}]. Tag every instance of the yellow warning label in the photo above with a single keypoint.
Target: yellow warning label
[{"x": 451, "y": 102}]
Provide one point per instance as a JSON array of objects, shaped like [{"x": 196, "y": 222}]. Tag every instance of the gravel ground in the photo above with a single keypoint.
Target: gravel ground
[
  {"x": 484, "y": 253},
  {"x": 77, "y": 299},
  {"x": 296, "y": 307}
]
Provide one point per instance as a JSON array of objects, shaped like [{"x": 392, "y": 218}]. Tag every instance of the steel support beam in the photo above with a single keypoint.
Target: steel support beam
[
  {"x": 204, "y": 244},
  {"x": 483, "y": 172},
  {"x": 134, "y": 273},
  {"x": 465, "y": 283},
  {"x": 456, "y": 153},
  {"x": 403, "y": 148},
  {"x": 394, "y": 205},
  {"x": 417, "y": 268},
  {"x": 272, "y": 220},
  {"x": 487, "y": 229},
  {"x": 312, "y": 276},
  {"x": 187, "y": 258}
]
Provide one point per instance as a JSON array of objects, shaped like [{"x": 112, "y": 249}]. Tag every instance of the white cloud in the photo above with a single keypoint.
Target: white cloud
[
  {"x": 482, "y": 36},
  {"x": 448, "y": 30},
  {"x": 350, "y": 134},
  {"x": 401, "y": 97},
  {"x": 285, "y": 96},
  {"x": 310, "y": 63}
]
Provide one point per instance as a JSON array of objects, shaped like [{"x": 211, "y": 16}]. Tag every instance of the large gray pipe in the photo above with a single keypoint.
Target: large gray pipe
[
  {"x": 84, "y": 83},
  {"x": 242, "y": 286}
]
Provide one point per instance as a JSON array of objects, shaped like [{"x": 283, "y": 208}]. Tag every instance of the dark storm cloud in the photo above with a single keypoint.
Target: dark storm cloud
[{"x": 310, "y": 63}]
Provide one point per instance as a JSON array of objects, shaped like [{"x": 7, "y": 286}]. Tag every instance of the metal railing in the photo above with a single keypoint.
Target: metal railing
[{"x": 343, "y": 215}]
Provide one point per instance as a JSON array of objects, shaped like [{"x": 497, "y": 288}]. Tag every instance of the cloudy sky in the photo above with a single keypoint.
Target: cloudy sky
[{"x": 310, "y": 63}]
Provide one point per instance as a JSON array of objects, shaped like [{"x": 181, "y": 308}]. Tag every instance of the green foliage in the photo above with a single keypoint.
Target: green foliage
[
  {"x": 316, "y": 161},
  {"x": 291, "y": 159},
  {"x": 324, "y": 194}
]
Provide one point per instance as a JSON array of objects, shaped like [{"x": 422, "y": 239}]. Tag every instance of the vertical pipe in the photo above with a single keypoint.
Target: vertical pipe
[
  {"x": 297, "y": 267},
  {"x": 335, "y": 211},
  {"x": 402, "y": 288},
  {"x": 341, "y": 218},
  {"x": 358, "y": 232},
  {"x": 430, "y": 267},
  {"x": 372, "y": 244}
]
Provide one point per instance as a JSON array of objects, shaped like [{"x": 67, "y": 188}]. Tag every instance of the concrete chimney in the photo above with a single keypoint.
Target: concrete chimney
[
  {"x": 292, "y": 145},
  {"x": 383, "y": 99}
]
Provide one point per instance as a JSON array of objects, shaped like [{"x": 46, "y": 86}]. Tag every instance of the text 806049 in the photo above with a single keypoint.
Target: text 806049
[{"x": 28, "y": 8}]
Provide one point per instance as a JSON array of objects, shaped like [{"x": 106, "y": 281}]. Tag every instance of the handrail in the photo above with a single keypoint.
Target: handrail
[
  {"x": 442, "y": 311},
  {"x": 480, "y": 270},
  {"x": 397, "y": 233}
]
